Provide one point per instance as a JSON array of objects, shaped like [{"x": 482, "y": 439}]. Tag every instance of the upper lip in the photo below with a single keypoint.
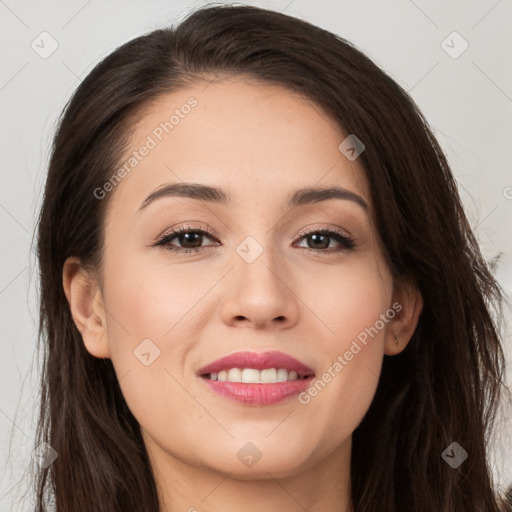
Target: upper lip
[{"x": 258, "y": 361}]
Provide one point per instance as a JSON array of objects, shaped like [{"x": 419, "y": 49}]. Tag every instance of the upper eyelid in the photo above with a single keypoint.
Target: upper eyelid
[
  {"x": 210, "y": 232},
  {"x": 186, "y": 229},
  {"x": 338, "y": 230},
  {"x": 301, "y": 233}
]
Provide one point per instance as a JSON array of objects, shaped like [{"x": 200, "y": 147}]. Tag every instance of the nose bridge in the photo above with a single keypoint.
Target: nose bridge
[
  {"x": 259, "y": 266},
  {"x": 258, "y": 291}
]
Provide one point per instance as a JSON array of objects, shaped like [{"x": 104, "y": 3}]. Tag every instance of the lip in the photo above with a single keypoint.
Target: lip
[
  {"x": 258, "y": 361},
  {"x": 257, "y": 394}
]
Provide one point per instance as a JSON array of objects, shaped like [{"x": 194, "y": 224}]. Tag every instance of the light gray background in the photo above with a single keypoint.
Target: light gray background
[{"x": 467, "y": 100}]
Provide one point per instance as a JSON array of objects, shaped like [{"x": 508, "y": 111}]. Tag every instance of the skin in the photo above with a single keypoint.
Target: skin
[{"x": 258, "y": 142}]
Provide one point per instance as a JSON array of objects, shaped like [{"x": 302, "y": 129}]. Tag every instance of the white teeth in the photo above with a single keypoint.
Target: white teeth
[
  {"x": 282, "y": 375},
  {"x": 235, "y": 375},
  {"x": 252, "y": 376},
  {"x": 249, "y": 375},
  {"x": 268, "y": 376}
]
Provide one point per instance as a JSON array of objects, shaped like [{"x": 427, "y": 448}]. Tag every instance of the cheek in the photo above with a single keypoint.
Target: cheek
[
  {"x": 348, "y": 297},
  {"x": 354, "y": 307},
  {"x": 153, "y": 299},
  {"x": 150, "y": 317}
]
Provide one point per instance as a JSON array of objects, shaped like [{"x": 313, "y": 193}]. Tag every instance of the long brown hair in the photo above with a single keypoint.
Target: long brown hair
[{"x": 443, "y": 388}]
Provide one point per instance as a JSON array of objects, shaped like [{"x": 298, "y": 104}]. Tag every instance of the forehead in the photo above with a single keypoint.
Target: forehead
[{"x": 250, "y": 139}]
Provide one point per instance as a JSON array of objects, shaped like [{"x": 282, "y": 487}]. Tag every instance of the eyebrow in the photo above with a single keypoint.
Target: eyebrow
[{"x": 302, "y": 196}]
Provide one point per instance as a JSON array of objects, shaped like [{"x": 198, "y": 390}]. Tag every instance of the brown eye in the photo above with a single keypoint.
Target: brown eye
[
  {"x": 320, "y": 240},
  {"x": 189, "y": 240},
  {"x": 192, "y": 238}
]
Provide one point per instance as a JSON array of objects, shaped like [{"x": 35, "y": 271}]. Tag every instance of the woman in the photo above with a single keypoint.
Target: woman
[{"x": 259, "y": 289}]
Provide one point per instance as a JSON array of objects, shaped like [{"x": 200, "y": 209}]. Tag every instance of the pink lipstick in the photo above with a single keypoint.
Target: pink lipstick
[{"x": 257, "y": 378}]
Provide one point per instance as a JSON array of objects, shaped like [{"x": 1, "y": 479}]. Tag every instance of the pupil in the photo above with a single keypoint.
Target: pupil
[
  {"x": 186, "y": 236},
  {"x": 323, "y": 245}
]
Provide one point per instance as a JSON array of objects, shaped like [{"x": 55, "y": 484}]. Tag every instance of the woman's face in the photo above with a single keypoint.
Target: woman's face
[{"x": 265, "y": 278}]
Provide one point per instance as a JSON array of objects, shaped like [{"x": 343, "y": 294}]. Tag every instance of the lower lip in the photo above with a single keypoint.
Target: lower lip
[{"x": 258, "y": 394}]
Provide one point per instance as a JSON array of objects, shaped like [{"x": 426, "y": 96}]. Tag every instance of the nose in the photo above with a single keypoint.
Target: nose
[{"x": 260, "y": 294}]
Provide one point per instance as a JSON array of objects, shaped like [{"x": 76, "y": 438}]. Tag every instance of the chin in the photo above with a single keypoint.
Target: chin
[{"x": 253, "y": 461}]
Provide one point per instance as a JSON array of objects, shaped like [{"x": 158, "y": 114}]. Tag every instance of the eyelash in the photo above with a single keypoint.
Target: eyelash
[{"x": 347, "y": 242}]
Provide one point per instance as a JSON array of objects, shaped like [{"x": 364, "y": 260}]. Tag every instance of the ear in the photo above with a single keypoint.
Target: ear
[
  {"x": 86, "y": 305},
  {"x": 407, "y": 304}
]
